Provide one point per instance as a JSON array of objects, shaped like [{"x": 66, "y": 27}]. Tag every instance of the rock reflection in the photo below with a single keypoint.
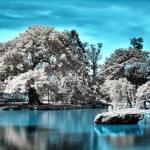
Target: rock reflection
[
  {"x": 119, "y": 135},
  {"x": 122, "y": 141},
  {"x": 118, "y": 130}
]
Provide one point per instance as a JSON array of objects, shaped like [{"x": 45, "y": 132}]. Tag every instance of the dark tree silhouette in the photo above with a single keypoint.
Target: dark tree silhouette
[
  {"x": 77, "y": 45},
  {"x": 33, "y": 97},
  {"x": 137, "y": 43}
]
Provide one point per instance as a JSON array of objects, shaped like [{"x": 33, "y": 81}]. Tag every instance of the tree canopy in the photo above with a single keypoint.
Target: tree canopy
[
  {"x": 113, "y": 66},
  {"x": 42, "y": 59},
  {"x": 45, "y": 63},
  {"x": 137, "y": 73},
  {"x": 34, "y": 58}
]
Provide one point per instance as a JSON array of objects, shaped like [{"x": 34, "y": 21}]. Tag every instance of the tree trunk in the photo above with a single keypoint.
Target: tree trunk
[
  {"x": 128, "y": 98},
  {"x": 94, "y": 71},
  {"x": 34, "y": 97},
  {"x": 129, "y": 101}
]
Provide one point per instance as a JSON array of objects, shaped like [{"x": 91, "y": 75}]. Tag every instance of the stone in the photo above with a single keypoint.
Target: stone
[{"x": 123, "y": 116}]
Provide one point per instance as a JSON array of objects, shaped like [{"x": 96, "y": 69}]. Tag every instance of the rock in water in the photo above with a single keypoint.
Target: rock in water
[{"x": 123, "y": 116}]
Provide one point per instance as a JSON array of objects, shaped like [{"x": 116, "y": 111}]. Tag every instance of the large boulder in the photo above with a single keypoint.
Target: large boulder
[{"x": 123, "y": 116}]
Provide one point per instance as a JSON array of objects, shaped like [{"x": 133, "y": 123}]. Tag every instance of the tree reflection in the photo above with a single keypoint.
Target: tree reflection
[
  {"x": 67, "y": 130},
  {"x": 19, "y": 138}
]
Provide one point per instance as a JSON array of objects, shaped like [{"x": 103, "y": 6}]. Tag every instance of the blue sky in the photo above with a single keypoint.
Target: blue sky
[{"x": 112, "y": 22}]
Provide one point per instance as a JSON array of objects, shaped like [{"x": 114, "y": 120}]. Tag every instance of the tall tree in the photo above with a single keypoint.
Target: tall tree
[
  {"x": 94, "y": 55},
  {"x": 29, "y": 62}
]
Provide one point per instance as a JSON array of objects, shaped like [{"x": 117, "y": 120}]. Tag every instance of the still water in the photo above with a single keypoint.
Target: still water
[{"x": 69, "y": 130}]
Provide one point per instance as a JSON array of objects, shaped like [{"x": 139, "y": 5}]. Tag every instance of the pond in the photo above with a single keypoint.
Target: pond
[{"x": 69, "y": 130}]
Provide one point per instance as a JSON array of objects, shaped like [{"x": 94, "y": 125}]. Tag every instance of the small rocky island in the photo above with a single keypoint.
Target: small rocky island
[{"x": 122, "y": 116}]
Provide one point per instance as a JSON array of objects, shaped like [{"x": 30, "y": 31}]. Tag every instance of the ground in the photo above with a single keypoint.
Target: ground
[{"x": 51, "y": 106}]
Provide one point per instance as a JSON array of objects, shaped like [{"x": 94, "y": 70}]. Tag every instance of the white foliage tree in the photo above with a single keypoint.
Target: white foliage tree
[
  {"x": 143, "y": 95},
  {"x": 28, "y": 62},
  {"x": 121, "y": 92}
]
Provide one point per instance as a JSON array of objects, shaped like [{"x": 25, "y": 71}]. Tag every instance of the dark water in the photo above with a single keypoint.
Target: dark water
[{"x": 68, "y": 130}]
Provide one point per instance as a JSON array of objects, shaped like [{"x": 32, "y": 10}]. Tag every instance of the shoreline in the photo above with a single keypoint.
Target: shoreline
[{"x": 26, "y": 106}]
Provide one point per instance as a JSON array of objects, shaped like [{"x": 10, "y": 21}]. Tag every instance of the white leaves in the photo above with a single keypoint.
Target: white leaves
[
  {"x": 63, "y": 57},
  {"x": 53, "y": 59},
  {"x": 25, "y": 80},
  {"x": 143, "y": 92},
  {"x": 119, "y": 90},
  {"x": 11, "y": 67},
  {"x": 20, "y": 66},
  {"x": 30, "y": 59}
]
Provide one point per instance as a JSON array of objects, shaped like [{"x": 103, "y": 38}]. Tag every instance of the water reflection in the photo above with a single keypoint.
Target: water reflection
[
  {"x": 45, "y": 130},
  {"x": 118, "y": 130},
  {"x": 119, "y": 135},
  {"x": 68, "y": 130},
  {"x": 19, "y": 138},
  {"x": 66, "y": 121}
]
